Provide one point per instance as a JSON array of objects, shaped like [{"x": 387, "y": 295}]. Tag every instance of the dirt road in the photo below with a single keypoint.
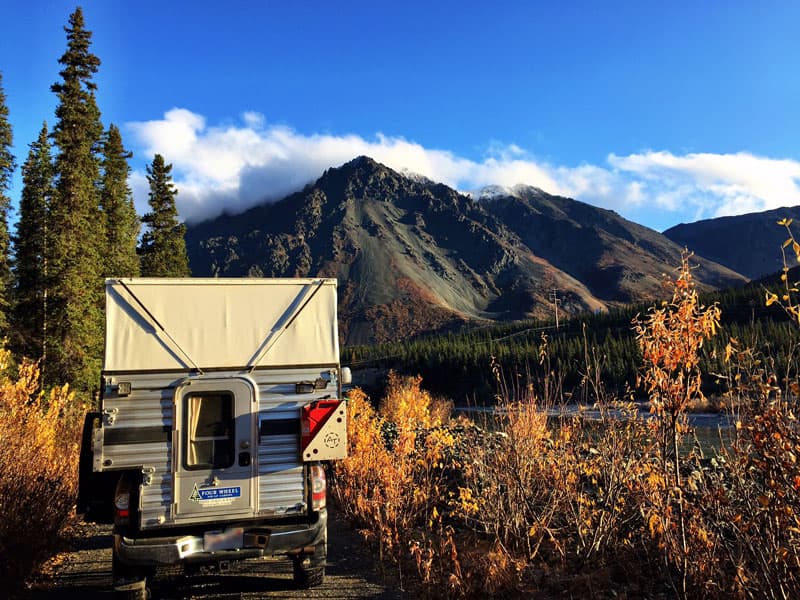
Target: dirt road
[{"x": 84, "y": 571}]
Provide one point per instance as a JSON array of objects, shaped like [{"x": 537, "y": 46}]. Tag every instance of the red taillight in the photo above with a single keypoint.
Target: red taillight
[
  {"x": 122, "y": 513},
  {"x": 319, "y": 487}
]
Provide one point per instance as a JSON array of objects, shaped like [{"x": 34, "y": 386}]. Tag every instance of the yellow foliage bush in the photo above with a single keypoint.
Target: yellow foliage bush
[
  {"x": 528, "y": 504},
  {"x": 409, "y": 406},
  {"x": 392, "y": 478},
  {"x": 39, "y": 450},
  {"x": 473, "y": 508},
  {"x": 671, "y": 339}
]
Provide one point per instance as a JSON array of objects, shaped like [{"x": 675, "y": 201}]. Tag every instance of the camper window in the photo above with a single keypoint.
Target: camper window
[{"x": 210, "y": 430}]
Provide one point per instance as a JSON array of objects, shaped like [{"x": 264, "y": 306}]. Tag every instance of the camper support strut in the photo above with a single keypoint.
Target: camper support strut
[
  {"x": 275, "y": 334},
  {"x": 159, "y": 325}
]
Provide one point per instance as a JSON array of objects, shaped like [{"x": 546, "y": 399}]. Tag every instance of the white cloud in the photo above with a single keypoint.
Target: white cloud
[
  {"x": 233, "y": 167},
  {"x": 141, "y": 189},
  {"x": 175, "y": 135},
  {"x": 712, "y": 185},
  {"x": 253, "y": 119}
]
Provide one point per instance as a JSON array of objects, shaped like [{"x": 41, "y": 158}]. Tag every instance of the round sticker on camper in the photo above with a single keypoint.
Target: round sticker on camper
[{"x": 332, "y": 440}]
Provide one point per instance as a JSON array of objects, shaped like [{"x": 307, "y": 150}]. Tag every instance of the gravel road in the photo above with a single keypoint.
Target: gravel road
[{"x": 84, "y": 571}]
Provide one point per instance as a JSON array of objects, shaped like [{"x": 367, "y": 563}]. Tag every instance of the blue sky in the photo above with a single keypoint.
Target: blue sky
[{"x": 664, "y": 112}]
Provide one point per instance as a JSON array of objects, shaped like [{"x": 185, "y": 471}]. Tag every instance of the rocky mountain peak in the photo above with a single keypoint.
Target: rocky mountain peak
[{"x": 414, "y": 256}]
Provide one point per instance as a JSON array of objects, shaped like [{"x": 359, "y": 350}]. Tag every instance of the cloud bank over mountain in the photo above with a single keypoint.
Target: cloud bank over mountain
[{"x": 231, "y": 167}]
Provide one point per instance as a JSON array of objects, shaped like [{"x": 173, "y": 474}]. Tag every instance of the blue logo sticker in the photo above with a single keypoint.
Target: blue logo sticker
[
  {"x": 220, "y": 493},
  {"x": 224, "y": 495}
]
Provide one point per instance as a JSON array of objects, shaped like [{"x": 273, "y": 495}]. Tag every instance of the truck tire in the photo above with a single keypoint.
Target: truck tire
[
  {"x": 309, "y": 571},
  {"x": 307, "y": 577},
  {"x": 142, "y": 594},
  {"x": 130, "y": 583}
]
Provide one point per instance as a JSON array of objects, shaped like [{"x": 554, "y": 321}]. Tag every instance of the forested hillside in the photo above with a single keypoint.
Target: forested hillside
[{"x": 463, "y": 366}]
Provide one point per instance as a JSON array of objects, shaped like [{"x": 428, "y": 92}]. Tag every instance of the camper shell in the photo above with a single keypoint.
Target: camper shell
[{"x": 219, "y": 400}]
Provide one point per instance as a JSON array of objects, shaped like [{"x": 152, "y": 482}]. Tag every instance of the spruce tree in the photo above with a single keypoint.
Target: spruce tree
[
  {"x": 7, "y": 166},
  {"x": 75, "y": 316},
  {"x": 163, "y": 249},
  {"x": 30, "y": 267},
  {"x": 121, "y": 220}
]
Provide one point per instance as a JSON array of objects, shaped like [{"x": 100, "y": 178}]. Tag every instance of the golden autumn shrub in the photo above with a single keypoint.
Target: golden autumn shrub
[
  {"x": 410, "y": 407},
  {"x": 393, "y": 483},
  {"x": 671, "y": 339},
  {"x": 528, "y": 503},
  {"x": 492, "y": 509},
  {"x": 555, "y": 501},
  {"x": 39, "y": 449},
  {"x": 752, "y": 507},
  {"x": 749, "y": 503}
]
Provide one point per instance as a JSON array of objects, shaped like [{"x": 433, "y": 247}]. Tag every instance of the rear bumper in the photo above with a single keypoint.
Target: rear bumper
[{"x": 257, "y": 541}]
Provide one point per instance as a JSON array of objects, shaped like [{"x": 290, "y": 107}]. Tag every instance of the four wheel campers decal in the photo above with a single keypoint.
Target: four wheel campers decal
[{"x": 215, "y": 496}]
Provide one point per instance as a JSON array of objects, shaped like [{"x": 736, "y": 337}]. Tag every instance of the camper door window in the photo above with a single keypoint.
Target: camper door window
[{"x": 210, "y": 430}]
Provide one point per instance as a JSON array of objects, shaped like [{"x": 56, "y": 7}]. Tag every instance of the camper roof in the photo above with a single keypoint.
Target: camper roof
[{"x": 155, "y": 324}]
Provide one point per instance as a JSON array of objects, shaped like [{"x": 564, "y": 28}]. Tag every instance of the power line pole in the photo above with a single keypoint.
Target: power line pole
[{"x": 554, "y": 296}]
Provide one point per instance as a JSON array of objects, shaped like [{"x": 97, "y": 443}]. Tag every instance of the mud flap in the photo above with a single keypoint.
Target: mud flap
[{"x": 95, "y": 490}]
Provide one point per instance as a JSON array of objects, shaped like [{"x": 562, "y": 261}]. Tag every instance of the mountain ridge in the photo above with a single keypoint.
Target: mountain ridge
[
  {"x": 749, "y": 244},
  {"x": 414, "y": 256}
]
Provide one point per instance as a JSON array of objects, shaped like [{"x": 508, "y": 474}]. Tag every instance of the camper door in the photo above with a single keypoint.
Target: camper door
[{"x": 214, "y": 449}]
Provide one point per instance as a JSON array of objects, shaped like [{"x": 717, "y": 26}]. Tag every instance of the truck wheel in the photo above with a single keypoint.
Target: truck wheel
[
  {"x": 309, "y": 571},
  {"x": 130, "y": 583},
  {"x": 307, "y": 577}
]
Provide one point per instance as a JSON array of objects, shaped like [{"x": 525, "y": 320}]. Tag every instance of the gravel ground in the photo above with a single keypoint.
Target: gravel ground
[{"x": 84, "y": 571}]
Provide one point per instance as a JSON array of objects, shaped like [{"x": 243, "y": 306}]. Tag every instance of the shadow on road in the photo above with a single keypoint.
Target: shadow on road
[{"x": 84, "y": 571}]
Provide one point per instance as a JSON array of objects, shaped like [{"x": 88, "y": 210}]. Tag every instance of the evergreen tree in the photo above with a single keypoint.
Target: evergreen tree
[
  {"x": 30, "y": 268},
  {"x": 75, "y": 235},
  {"x": 163, "y": 249},
  {"x": 121, "y": 221},
  {"x": 7, "y": 166}
]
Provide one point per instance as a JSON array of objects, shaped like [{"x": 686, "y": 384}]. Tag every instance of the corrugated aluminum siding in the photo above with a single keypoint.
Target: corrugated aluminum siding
[
  {"x": 149, "y": 407},
  {"x": 281, "y": 485}
]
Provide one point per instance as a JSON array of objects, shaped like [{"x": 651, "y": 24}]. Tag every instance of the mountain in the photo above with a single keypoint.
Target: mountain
[
  {"x": 749, "y": 244},
  {"x": 618, "y": 260},
  {"x": 413, "y": 256}
]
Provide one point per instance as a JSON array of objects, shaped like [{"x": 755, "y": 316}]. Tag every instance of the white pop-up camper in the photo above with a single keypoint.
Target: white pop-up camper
[{"x": 220, "y": 398}]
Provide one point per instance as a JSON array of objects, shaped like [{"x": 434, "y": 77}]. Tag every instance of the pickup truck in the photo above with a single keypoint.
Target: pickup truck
[{"x": 221, "y": 400}]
